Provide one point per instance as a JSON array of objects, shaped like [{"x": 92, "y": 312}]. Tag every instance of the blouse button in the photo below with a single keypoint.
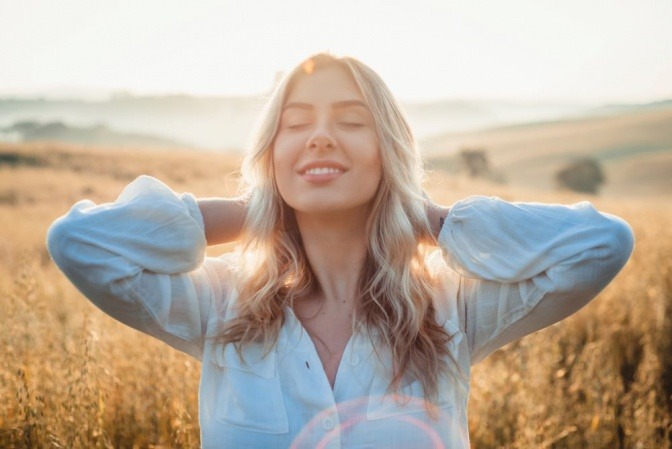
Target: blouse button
[
  {"x": 354, "y": 360},
  {"x": 328, "y": 423}
]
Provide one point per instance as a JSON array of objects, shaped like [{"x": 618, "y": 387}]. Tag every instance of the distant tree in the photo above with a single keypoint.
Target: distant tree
[
  {"x": 475, "y": 162},
  {"x": 584, "y": 175}
]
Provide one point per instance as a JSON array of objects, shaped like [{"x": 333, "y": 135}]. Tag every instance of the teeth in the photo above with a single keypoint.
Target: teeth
[{"x": 322, "y": 170}]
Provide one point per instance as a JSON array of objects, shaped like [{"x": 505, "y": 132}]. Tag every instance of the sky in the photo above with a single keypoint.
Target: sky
[{"x": 566, "y": 51}]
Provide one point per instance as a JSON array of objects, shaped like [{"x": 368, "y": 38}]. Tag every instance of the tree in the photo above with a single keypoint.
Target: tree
[
  {"x": 584, "y": 175},
  {"x": 475, "y": 161}
]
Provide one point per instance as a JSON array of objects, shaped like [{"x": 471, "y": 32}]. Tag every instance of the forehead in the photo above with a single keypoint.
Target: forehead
[{"x": 326, "y": 86}]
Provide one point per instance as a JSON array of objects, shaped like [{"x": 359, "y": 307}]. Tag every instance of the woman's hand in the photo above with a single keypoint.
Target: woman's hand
[
  {"x": 223, "y": 218},
  {"x": 436, "y": 214}
]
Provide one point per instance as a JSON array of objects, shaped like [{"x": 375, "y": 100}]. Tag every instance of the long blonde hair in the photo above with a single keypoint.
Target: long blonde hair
[{"x": 395, "y": 286}]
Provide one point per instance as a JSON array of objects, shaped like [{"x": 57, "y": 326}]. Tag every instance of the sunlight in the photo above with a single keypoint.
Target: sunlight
[{"x": 518, "y": 50}]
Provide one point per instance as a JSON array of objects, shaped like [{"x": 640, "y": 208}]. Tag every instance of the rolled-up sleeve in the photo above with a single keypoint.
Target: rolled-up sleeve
[
  {"x": 524, "y": 266},
  {"x": 141, "y": 260}
]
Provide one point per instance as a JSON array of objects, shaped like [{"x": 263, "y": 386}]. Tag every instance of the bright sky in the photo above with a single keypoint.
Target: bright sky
[{"x": 564, "y": 50}]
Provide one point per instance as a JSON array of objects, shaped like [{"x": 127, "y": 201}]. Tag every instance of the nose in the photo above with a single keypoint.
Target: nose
[{"x": 321, "y": 139}]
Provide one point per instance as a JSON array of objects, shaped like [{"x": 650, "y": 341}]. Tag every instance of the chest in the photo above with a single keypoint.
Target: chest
[
  {"x": 330, "y": 334},
  {"x": 276, "y": 401}
]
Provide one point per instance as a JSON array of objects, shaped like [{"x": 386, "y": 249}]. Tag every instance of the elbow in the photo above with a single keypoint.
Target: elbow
[
  {"x": 67, "y": 248},
  {"x": 93, "y": 270},
  {"x": 596, "y": 266},
  {"x": 622, "y": 242},
  {"x": 612, "y": 253},
  {"x": 58, "y": 236}
]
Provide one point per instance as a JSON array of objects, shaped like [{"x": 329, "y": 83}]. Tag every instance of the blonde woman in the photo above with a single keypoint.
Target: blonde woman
[{"x": 333, "y": 326}]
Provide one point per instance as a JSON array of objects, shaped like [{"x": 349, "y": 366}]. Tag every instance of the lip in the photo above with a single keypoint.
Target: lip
[{"x": 319, "y": 178}]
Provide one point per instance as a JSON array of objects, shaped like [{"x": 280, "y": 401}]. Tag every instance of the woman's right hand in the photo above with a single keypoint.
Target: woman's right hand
[{"x": 223, "y": 218}]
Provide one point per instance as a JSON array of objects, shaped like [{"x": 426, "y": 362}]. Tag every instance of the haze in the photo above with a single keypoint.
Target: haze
[{"x": 523, "y": 50}]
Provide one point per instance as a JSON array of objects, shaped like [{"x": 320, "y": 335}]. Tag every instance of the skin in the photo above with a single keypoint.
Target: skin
[
  {"x": 324, "y": 118},
  {"x": 223, "y": 219}
]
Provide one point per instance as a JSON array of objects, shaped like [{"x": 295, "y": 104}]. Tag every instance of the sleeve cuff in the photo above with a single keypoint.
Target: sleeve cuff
[{"x": 189, "y": 200}]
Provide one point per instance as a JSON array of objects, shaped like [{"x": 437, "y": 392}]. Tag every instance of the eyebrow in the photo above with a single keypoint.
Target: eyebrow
[{"x": 337, "y": 105}]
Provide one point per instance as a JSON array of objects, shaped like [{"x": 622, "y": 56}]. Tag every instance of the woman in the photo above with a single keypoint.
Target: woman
[{"x": 333, "y": 325}]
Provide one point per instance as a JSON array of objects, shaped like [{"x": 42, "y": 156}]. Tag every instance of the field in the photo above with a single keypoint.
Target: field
[
  {"x": 73, "y": 377},
  {"x": 633, "y": 147}
]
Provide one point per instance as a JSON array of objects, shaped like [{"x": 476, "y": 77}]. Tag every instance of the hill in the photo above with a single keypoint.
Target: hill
[
  {"x": 96, "y": 135},
  {"x": 634, "y": 147},
  {"x": 226, "y": 122},
  {"x": 213, "y": 123}
]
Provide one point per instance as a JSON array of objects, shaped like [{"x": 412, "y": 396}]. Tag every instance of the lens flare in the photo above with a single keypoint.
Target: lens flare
[
  {"x": 355, "y": 410},
  {"x": 308, "y": 66}
]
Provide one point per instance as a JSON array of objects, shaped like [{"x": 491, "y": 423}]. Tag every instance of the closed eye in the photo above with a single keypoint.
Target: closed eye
[
  {"x": 298, "y": 125},
  {"x": 351, "y": 124}
]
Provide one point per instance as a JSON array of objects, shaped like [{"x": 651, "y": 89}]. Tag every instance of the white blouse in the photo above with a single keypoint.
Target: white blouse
[{"x": 507, "y": 270}]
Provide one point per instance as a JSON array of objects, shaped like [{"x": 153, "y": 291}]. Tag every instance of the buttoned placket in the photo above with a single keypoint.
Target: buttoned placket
[{"x": 301, "y": 350}]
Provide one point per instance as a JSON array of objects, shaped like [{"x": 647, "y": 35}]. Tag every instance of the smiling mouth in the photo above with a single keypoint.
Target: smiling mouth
[{"x": 322, "y": 171}]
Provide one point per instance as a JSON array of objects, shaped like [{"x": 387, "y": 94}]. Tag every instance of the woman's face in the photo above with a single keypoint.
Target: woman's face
[{"x": 326, "y": 156}]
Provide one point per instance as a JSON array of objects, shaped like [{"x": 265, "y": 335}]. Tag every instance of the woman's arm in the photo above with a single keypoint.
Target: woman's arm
[
  {"x": 525, "y": 266},
  {"x": 223, "y": 218},
  {"x": 141, "y": 260}
]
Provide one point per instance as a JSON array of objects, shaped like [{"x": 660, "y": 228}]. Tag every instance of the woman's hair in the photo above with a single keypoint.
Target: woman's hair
[{"x": 395, "y": 287}]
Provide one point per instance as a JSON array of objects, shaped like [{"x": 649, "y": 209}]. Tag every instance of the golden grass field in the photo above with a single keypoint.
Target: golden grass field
[{"x": 73, "y": 377}]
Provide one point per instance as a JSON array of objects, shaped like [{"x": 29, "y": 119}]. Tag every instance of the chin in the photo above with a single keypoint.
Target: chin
[
  {"x": 323, "y": 206},
  {"x": 320, "y": 207},
  {"x": 333, "y": 202}
]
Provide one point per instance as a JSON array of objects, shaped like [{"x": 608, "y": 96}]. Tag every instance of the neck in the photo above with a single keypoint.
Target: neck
[{"x": 335, "y": 245}]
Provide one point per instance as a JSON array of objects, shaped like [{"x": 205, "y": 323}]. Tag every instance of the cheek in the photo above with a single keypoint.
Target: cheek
[
  {"x": 371, "y": 174},
  {"x": 289, "y": 145},
  {"x": 375, "y": 164}
]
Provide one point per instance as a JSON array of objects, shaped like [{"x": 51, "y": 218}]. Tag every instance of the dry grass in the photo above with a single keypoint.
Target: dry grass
[{"x": 73, "y": 377}]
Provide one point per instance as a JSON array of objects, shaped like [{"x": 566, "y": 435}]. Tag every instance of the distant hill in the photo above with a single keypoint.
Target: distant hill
[
  {"x": 97, "y": 135},
  {"x": 526, "y": 143},
  {"x": 634, "y": 147},
  {"x": 220, "y": 123},
  {"x": 227, "y": 122}
]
